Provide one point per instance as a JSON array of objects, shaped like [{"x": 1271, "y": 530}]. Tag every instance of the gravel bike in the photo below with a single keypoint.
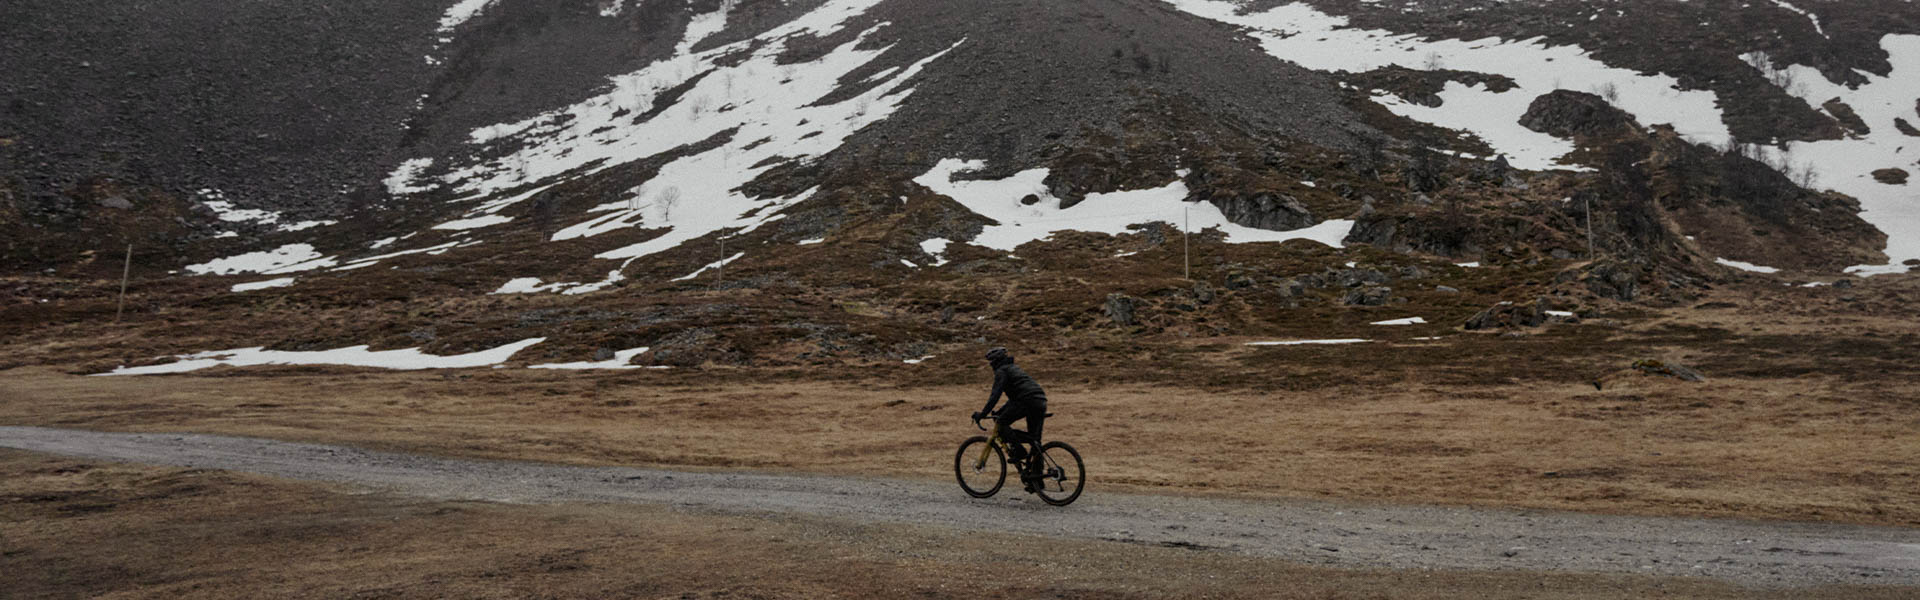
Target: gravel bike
[{"x": 981, "y": 467}]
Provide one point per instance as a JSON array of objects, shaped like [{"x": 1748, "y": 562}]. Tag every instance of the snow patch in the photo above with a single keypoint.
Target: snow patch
[
  {"x": 291, "y": 258},
  {"x": 619, "y": 361},
  {"x": 1308, "y": 342},
  {"x": 406, "y": 178},
  {"x": 474, "y": 223},
  {"x": 261, "y": 285},
  {"x": 936, "y": 247},
  {"x": 461, "y": 12},
  {"x": 1110, "y": 213},
  {"x": 528, "y": 285},
  {"x": 1406, "y": 321},
  {"x": 1744, "y": 266},
  {"x": 355, "y": 356},
  {"x": 717, "y": 264}
]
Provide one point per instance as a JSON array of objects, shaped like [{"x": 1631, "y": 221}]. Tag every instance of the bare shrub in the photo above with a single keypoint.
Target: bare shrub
[
  {"x": 667, "y": 200},
  {"x": 1609, "y": 91}
]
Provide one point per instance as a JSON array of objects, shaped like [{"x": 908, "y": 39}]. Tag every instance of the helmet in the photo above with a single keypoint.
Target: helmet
[{"x": 998, "y": 355}]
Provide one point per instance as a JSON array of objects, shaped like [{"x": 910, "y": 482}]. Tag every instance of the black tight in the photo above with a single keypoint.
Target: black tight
[{"x": 1036, "y": 417}]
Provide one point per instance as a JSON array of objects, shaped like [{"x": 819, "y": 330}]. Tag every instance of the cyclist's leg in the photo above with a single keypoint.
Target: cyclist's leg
[
  {"x": 1028, "y": 441},
  {"x": 1035, "y": 421},
  {"x": 1014, "y": 438}
]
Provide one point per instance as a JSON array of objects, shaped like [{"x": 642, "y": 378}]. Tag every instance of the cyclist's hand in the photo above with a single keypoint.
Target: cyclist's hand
[{"x": 977, "y": 416}]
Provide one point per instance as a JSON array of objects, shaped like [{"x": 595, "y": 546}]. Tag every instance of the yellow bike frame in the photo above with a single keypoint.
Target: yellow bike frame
[{"x": 992, "y": 442}]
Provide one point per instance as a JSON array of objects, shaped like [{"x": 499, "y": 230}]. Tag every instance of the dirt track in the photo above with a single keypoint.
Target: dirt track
[{"x": 1409, "y": 537}]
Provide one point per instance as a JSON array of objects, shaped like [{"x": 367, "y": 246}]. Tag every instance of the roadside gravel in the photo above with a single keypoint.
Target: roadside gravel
[{"x": 1312, "y": 532}]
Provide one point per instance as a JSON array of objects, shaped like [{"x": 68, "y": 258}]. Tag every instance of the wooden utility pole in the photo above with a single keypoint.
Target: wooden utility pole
[
  {"x": 723, "y": 259},
  {"x": 126, "y": 269},
  {"x": 1589, "y": 201}
]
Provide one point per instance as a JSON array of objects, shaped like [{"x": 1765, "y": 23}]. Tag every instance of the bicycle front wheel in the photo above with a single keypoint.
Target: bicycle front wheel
[
  {"x": 1065, "y": 475},
  {"x": 980, "y": 466}
]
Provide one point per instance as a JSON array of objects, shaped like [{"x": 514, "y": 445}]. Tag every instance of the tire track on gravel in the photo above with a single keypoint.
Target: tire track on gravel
[{"x": 1311, "y": 532}]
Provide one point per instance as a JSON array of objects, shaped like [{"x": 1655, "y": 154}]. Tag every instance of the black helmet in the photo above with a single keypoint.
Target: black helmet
[{"x": 998, "y": 355}]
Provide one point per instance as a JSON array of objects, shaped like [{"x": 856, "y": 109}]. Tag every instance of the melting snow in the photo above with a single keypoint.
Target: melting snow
[
  {"x": 1308, "y": 342},
  {"x": 474, "y": 223},
  {"x": 261, "y": 285},
  {"x": 717, "y": 264},
  {"x": 619, "y": 361},
  {"x": 528, "y": 285},
  {"x": 915, "y": 361},
  {"x": 355, "y": 356},
  {"x": 936, "y": 247},
  {"x": 1847, "y": 165},
  {"x": 461, "y": 12},
  {"x": 771, "y": 108},
  {"x": 291, "y": 258},
  {"x": 1111, "y": 213},
  {"x": 1301, "y": 34},
  {"x": 1803, "y": 12},
  {"x": 1406, "y": 321},
  {"x": 1746, "y": 266},
  {"x": 407, "y": 178}
]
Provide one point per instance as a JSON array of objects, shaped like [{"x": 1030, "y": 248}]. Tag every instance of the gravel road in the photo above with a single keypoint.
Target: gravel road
[{"x": 1313, "y": 532}]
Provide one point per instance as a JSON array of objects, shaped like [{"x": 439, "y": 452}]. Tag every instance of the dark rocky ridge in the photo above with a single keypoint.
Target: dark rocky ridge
[
  {"x": 277, "y": 99},
  {"x": 1111, "y": 94}
]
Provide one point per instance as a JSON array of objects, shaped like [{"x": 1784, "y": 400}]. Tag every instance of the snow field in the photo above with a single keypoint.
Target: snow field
[
  {"x": 1304, "y": 35},
  {"x": 769, "y": 104},
  {"x": 1846, "y": 165},
  {"x": 1300, "y": 34}
]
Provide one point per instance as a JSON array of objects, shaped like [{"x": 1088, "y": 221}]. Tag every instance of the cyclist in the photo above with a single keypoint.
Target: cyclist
[{"x": 1025, "y": 400}]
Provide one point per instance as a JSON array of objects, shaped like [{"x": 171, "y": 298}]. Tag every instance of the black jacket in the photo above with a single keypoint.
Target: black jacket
[{"x": 1019, "y": 387}]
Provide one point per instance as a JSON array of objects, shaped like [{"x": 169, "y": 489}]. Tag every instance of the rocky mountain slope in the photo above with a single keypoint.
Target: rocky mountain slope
[{"x": 774, "y": 180}]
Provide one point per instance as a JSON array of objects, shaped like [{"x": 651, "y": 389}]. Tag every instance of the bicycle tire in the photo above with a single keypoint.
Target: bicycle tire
[
  {"x": 1073, "y": 477},
  {"x": 968, "y": 459}
]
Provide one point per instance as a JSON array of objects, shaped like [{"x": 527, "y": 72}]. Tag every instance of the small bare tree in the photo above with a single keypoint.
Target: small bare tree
[
  {"x": 1609, "y": 91},
  {"x": 667, "y": 200},
  {"x": 1435, "y": 62}
]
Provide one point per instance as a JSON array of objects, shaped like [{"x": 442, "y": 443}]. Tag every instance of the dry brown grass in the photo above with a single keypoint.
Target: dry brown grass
[
  {"x": 1816, "y": 448},
  {"x": 72, "y": 529}
]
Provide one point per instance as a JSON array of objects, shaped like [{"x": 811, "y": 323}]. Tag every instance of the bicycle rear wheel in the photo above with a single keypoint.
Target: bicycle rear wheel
[
  {"x": 1065, "y": 475},
  {"x": 980, "y": 467}
]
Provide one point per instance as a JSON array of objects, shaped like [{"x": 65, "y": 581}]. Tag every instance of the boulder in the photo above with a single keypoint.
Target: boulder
[
  {"x": 1905, "y": 127},
  {"x": 1612, "y": 281},
  {"x": 1120, "y": 308},
  {"x": 1202, "y": 292},
  {"x": 1265, "y": 210},
  {"x": 1369, "y": 296},
  {"x": 1847, "y": 117},
  {"x": 1352, "y": 278},
  {"x": 1509, "y": 315},
  {"x": 1665, "y": 369},
  {"x": 1239, "y": 281},
  {"x": 1891, "y": 176},
  {"x": 1570, "y": 114}
]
